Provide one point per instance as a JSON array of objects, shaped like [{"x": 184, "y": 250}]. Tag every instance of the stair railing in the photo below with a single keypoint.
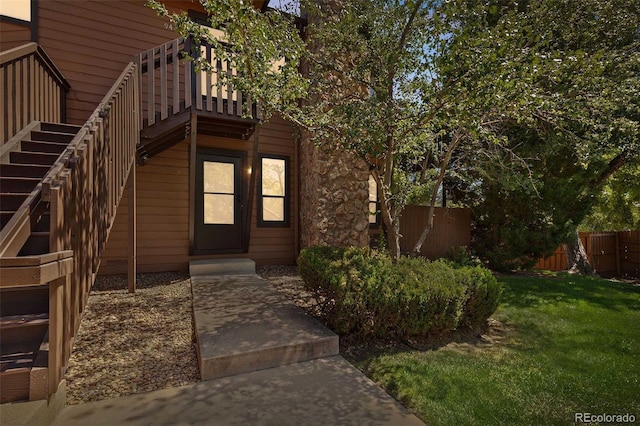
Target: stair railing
[
  {"x": 84, "y": 188},
  {"x": 170, "y": 85},
  {"x": 36, "y": 89}
]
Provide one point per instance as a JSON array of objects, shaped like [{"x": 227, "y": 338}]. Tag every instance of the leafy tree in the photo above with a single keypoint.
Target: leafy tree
[
  {"x": 254, "y": 43},
  {"x": 617, "y": 206},
  {"x": 426, "y": 90},
  {"x": 581, "y": 65}
]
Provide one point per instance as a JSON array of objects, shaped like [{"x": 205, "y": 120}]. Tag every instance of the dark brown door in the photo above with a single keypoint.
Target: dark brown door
[{"x": 219, "y": 203}]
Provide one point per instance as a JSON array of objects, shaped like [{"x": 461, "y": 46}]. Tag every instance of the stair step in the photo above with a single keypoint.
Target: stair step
[
  {"x": 43, "y": 224},
  {"x": 12, "y": 200},
  {"x": 243, "y": 324},
  {"x": 22, "y": 333},
  {"x": 18, "y": 184},
  {"x": 37, "y": 243},
  {"x": 33, "y": 158},
  {"x": 8, "y": 322},
  {"x": 24, "y": 170},
  {"x": 60, "y": 128},
  {"x": 24, "y": 300},
  {"x": 15, "y": 382},
  {"x": 5, "y": 217},
  {"x": 43, "y": 147},
  {"x": 52, "y": 136}
]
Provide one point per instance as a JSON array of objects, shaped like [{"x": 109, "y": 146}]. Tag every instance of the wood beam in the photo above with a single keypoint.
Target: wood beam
[
  {"x": 132, "y": 240},
  {"x": 192, "y": 178}
]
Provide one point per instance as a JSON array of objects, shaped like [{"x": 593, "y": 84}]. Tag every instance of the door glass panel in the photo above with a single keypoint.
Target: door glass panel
[
  {"x": 218, "y": 177},
  {"x": 273, "y": 209},
  {"x": 219, "y": 196},
  {"x": 273, "y": 178},
  {"x": 218, "y": 209}
]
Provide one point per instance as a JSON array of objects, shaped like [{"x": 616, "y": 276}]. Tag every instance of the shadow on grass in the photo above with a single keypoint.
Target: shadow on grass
[{"x": 527, "y": 292}]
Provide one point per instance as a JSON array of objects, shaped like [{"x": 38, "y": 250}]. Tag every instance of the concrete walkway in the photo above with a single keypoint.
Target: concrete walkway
[
  {"x": 263, "y": 362},
  {"x": 327, "y": 391}
]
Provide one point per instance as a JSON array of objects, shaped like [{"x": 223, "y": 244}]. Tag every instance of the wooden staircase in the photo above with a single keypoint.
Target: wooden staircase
[
  {"x": 24, "y": 311},
  {"x": 60, "y": 186}
]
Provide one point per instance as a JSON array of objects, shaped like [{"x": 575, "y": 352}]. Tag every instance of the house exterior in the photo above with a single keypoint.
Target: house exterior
[{"x": 119, "y": 157}]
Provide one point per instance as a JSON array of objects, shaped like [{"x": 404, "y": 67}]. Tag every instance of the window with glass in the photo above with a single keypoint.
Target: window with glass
[
  {"x": 273, "y": 202},
  {"x": 374, "y": 207}
]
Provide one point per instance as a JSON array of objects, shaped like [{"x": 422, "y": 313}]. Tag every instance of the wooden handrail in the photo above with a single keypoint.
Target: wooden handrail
[
  {"x": 26, "y": 50},
  {"x": 178, "y": 87},
  {"x": 83, "y": 188},
  {"x": 36, "y": 89}
]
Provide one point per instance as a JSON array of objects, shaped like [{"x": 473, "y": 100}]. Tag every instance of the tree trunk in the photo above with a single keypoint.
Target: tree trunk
[
  {"x": 577, "y": 260},
  {"x": 393, "y": 239}
]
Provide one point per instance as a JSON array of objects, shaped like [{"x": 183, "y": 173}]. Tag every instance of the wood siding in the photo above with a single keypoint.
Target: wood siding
[
  {"x": 163, "y": 209},
  {"x": 90, "y": 52},
  {"x": 13, "y": 35}
]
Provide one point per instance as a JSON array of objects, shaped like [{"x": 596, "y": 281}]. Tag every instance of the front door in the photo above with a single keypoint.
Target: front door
[{"x": 218, "y": 203}]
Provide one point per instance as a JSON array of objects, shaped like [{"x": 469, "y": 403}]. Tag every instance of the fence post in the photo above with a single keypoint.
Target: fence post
[{"x": 618, "y": 270}]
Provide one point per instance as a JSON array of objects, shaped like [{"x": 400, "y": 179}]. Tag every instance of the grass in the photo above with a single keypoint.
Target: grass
[{"x": 567, "y": 344}]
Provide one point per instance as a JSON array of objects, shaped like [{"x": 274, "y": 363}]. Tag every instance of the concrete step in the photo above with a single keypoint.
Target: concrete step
[
  {"x": 243, "y": 324},
  {"x": 209, "y": 267},
  {"x": 321, "y": 392}
]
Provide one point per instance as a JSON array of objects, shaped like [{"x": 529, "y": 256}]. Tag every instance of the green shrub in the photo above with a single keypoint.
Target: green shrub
[
  {"x": 483, "y": 293},
  {"x": 364, "y": 293}
]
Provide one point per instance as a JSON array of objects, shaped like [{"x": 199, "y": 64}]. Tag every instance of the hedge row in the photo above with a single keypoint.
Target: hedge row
[{"x": 366, "y": 294}]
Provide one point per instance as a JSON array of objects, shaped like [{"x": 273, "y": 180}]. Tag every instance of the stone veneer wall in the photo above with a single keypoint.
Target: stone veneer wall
[
  {"x": 334, "y": 197},
  {"x": 334, "y": 189}
]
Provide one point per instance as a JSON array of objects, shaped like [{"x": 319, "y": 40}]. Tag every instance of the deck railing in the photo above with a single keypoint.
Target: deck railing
[
  {"x": 35, "y": 89},
  {"x": 170, "y": 85},
  {"x": 84, "y": 188}
]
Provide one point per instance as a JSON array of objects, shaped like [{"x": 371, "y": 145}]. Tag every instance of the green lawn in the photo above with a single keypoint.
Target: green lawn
[{"x": 572, "y": 344}]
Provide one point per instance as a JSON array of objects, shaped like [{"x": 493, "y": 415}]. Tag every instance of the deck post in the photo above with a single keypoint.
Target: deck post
[
  {"x": 132, "y": 241},
  {"x": 618, "y": 269},
  {"x": 192, "y": 177},
  {"x": 255, "y": 165}
]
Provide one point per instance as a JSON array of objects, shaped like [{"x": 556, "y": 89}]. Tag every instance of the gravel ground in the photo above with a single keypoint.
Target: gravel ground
[
  {"x": 286, "y": 280},
  {"x": 133, "y": 343}
]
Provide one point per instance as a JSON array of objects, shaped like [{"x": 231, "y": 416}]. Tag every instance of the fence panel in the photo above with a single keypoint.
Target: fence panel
[
  {"x": 610, "y": 253},
  {"x": 630, "y": 252},
  {"x": 451, "y": 228}
]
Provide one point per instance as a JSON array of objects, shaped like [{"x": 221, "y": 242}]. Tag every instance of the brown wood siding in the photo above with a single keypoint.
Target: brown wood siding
[
  {"x": 163, "y": 209},
  {"x": 91, "y": 42},
  {"x": 13, "y": 35}
]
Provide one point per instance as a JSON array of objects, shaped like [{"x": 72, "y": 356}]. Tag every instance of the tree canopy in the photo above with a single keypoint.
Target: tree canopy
[{"x": 530, "y": 105}]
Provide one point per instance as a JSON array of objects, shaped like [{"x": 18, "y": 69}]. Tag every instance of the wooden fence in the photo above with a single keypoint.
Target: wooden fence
[
  {"x": 35, "y": 89},
  {"x": 451, "y": 228},
  {"x": 610, "y": 253}
]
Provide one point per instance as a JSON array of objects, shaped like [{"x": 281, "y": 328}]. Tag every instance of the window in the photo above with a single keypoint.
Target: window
[
  {"x": 17, "y": 9},
  {"x": 374, "y": 207},
  {"x": 273, "y": 202}
]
